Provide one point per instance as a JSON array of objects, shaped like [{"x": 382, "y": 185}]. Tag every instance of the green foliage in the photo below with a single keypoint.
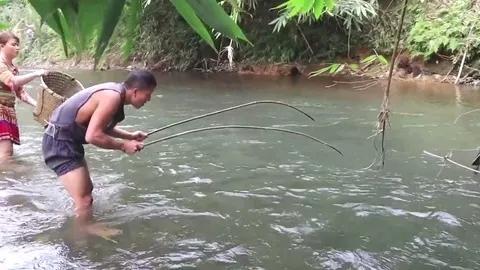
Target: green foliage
[
  {"x": 133, "y": 12},
  {"x": 374, "y": 58},
  {"x": 110, "y": 20},
  {"x": 313, "y": 8},
  {"x": 446, "y": 30},
  {"x": 3, "y": 25},
  {"x": 39, "y": 44},
  {"x": 77, "y": 22},
  {"x": 351, "y": 12},
  {"x": 336, "y": 68},
  {"x": 213, "y": 15},
  {"x": 355, "y": 12},
  {"x": 80, "y": 23},
  {"x": 194, "y": 21}
]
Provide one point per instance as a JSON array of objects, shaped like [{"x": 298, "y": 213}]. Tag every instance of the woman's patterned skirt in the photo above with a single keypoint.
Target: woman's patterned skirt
[{"x": 8, "y": 124}]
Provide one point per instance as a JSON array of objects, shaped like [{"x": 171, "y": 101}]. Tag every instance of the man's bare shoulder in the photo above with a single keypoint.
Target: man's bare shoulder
[{"x": 107, "y": 97}]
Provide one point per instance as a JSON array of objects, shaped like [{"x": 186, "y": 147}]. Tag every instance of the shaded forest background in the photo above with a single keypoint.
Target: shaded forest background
[{"x": 438, "y": 31}]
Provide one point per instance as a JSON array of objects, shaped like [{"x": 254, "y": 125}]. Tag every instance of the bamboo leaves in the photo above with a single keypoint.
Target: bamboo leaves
[
  {"x": 81, "y": 23},
  {"x": 318, "y": 9},
  {"x": 114, "y": 8},
  {"x": 302, "y": 9},
  {"x": 307, "y": 7},
  {"x": 192, "y": 19},
  {"x": 214, "y": 16},
  {"x": 76, "y": 21}
]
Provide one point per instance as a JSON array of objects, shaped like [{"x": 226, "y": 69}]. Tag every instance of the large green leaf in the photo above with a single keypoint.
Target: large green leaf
[
  {"x": 192, "y": 19},
  {"x": 51, "y": 13},
  {"x": 211, "y": 13},
  {"x": 89, "y": 21},
  {"x": 61, "y": 30},
  {"x": 71, "y": 25},
  {"x": 47, "y": 10},
  {"x": 82, "y": 17},
  {"x": 133, "y": 13},
  {"x": 110, "y": 20}
]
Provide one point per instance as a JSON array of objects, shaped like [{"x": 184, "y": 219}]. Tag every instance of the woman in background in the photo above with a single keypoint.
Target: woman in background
[{"x": 11, "y": 87}]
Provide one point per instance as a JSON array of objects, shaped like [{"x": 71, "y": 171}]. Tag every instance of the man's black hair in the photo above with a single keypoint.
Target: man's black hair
[{"x": 141, "y": 79}]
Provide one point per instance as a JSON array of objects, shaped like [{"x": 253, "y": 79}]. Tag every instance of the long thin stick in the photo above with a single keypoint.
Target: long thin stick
[
  {"x": 239, "y": 126},
  {"x": 384, "y": 114},
  {"x": 229, "y": 109},
  {"x": 451, "y": 161},
  {"x": 461, "y": 65},
  {"x": 464, "y": 54}
]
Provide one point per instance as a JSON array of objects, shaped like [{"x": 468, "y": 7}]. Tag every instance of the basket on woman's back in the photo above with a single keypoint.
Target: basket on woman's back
[{"x": 56, "y": 87}]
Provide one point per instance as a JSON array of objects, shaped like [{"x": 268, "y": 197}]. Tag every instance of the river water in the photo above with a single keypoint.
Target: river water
[{"x": 249, "y": 199}]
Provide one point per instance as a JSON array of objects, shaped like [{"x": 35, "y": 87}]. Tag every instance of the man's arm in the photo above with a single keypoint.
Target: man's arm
[
  {"x": 123, "y": 134},
  {"x": 102, "y": 115},
  {"x": 120, "y": 133}
]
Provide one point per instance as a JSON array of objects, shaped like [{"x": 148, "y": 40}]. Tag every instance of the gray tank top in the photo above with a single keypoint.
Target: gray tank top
[{"x": 63, "y": 118}]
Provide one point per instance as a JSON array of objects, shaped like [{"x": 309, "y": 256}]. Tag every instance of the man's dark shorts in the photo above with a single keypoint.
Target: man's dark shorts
[{"x": 62, "y": 155}]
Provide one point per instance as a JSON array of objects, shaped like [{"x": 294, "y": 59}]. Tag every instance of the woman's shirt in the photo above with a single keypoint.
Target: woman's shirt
[{"x": 8, "y": 90}]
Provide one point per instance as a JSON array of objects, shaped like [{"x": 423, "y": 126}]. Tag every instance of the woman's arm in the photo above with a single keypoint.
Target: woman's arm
[
  {"x": 25, "y": 97},
  {"x": 21, "y": 80}
]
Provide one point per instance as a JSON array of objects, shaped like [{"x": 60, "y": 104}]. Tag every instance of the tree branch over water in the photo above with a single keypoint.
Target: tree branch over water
[{"x": 383, "y": 116}]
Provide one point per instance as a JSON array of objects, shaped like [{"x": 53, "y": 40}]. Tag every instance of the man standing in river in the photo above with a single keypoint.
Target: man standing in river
[{"x": 90, "y": 116}]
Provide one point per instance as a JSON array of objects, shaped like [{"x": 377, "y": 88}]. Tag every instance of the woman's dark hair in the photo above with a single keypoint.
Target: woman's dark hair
[
  {"x": 5, "y": 36},
  {"x": 141, "y": 79}
]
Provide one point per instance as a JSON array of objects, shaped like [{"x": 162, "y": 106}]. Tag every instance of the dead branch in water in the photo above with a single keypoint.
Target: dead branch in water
[
  {"x": 463, "y": 114},
  {"x": 365, "y": 86},
  {"x": 446, "y": 158}
]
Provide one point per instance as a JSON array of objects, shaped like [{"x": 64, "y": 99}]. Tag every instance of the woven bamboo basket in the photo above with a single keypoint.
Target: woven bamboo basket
[{"x": 56, "y": 87}]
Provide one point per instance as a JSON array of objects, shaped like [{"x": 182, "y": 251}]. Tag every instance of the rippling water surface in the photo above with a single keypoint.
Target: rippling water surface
[{"x": 248, "y": 199}]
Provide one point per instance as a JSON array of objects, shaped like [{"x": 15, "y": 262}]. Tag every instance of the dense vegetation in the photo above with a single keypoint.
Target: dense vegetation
[{"x": 153, "y": 33}]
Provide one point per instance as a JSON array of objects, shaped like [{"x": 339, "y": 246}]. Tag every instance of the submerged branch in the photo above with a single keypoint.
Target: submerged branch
[{"x": 463, "y": 114}]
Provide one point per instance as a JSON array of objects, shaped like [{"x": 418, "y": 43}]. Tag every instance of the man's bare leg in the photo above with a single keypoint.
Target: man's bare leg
[{"x": 79, "y": 185}]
